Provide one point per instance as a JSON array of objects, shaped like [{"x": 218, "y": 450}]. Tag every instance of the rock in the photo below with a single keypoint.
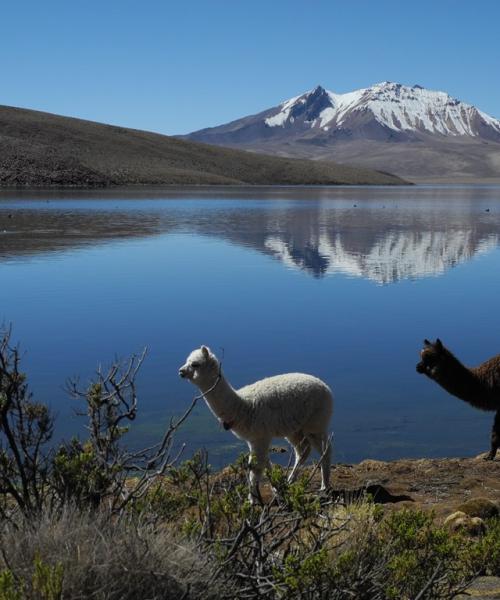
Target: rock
[
  {"x": 371, "y": 464},
  {"x": 460, "y": 521},
  {"x": 484, "y": 588},
  {"x": 381, "y": 495},
  {"x": 482, "y": 456},
  {"x": 454, "y": 517},
  {"x": 477, "y": 526},
  {"x": 479, "y": 507}
]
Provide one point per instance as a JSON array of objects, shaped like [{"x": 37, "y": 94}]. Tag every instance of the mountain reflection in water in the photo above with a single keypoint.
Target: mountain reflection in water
[
  {"x": 394, "y": 256},
  {"x": 383, "y": 235}
]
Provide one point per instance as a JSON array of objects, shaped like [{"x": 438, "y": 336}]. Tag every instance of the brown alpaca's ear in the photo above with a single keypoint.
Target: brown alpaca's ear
[
  {"x": 205, "y": 351},
  {"x": 427, "y": 343},
  {"x": 439, "y": 344}
]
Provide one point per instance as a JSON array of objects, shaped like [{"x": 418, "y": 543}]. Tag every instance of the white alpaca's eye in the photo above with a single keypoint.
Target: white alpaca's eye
[{"x": 195, "y": 365}]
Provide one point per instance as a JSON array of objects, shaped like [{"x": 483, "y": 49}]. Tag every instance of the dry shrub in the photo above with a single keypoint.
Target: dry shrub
[{"x": 89, "y": 555}]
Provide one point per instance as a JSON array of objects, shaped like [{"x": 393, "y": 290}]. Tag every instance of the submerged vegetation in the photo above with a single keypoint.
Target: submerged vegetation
[{"x": 89, "y": 518}]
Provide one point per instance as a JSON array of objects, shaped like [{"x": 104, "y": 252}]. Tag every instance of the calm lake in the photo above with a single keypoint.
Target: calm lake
[{"x": 343, "y": 283}]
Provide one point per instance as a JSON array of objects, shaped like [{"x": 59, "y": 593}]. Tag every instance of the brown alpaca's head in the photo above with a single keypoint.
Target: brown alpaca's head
[{"x": 433, "y": 355}]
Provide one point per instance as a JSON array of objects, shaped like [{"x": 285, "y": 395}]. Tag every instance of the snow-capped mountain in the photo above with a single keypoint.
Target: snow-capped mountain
[
  {"x": 383, "y": 110},
  {"x": 394, "y": 107},
  {"x": 350, "y": 127}
]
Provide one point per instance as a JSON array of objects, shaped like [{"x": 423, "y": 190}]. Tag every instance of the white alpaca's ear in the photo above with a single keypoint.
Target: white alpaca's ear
[{"x": 205, "y": 351}]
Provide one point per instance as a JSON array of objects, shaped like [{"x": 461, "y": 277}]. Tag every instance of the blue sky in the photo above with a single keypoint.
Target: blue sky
[{"x": 178, "y": 66}]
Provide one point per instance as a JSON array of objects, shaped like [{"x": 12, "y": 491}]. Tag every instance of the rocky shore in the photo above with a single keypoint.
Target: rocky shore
[
  {"x": 437, "y": 484},
  {"x": 441, "y": 485}
]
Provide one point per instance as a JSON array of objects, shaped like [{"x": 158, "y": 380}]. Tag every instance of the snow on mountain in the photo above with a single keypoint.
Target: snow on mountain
[{"x": 395, "y": 106}]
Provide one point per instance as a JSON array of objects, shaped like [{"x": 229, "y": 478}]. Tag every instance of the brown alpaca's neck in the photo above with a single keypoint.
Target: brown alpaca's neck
[{"x": 464, "y": 383}]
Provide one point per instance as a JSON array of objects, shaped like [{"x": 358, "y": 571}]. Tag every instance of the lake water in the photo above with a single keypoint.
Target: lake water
[{"x": 343, "y": 283}]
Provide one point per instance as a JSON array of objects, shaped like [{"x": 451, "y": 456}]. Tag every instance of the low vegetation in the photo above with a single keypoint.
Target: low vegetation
[{"x": 89, "y": 519}]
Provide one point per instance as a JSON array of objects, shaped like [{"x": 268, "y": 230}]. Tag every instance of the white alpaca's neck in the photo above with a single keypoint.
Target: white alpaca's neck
[{"x": 223, "y": 400}]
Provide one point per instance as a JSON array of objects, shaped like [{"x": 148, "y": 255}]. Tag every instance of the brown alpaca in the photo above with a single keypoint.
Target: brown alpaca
[{"x": 479, "y": 386}]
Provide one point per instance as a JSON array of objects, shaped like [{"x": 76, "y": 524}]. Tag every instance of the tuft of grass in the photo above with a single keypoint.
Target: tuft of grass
[{"x": 83, "y": 554}]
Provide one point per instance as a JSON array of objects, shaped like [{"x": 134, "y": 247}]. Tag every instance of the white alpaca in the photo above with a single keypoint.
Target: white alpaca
[{"x": 295, "y": 406}]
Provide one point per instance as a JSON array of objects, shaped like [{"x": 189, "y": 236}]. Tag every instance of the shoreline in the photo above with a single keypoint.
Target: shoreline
[
  {"x": 434, "y": 484},
  {"x": 243, "y": 187},
  {"x": 203, "y": 186}
]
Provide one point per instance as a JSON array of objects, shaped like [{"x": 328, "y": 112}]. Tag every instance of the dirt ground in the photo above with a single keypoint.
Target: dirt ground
[{"x": 431, "y": 484}]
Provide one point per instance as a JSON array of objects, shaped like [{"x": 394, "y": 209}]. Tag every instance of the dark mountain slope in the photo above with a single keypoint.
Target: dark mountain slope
[{"x": 42, "y": 149}]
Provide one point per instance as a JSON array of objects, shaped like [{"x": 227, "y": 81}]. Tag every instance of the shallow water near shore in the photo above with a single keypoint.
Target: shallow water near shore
[{"x": 343, "y": 283}]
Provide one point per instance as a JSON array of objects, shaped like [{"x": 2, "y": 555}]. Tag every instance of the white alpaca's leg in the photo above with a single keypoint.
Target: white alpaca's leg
[
  {"x": 302, "y": 449},
  {"x": 321, "y": 443},
  {"x": 258, "y": 461}
]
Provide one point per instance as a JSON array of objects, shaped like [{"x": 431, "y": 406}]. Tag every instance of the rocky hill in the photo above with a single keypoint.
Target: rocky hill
[{"x": 41, "y": 149}]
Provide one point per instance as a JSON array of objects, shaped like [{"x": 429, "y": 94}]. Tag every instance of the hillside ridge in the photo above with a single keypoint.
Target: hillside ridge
[{"x": 40, "y": 149}]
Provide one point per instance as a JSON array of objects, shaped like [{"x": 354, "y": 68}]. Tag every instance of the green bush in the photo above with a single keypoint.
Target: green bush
[
  {"x": 419, "y": 551},
  {"x": 10, "y": 589},
  {"x": 47, "y": 580},
  {"x": 484, "y": 554},
  {"x": 78, "y": 476}
]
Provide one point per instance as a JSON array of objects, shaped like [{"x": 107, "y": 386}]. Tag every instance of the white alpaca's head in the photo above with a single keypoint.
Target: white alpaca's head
[{"x": 200, "y": 365}]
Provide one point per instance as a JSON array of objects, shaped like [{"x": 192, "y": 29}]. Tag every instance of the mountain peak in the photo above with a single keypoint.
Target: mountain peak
[
  {"x": 318, "y": 90},
  {"x": 395, "y": 107},
  {"x": 304, "y": 109}
]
